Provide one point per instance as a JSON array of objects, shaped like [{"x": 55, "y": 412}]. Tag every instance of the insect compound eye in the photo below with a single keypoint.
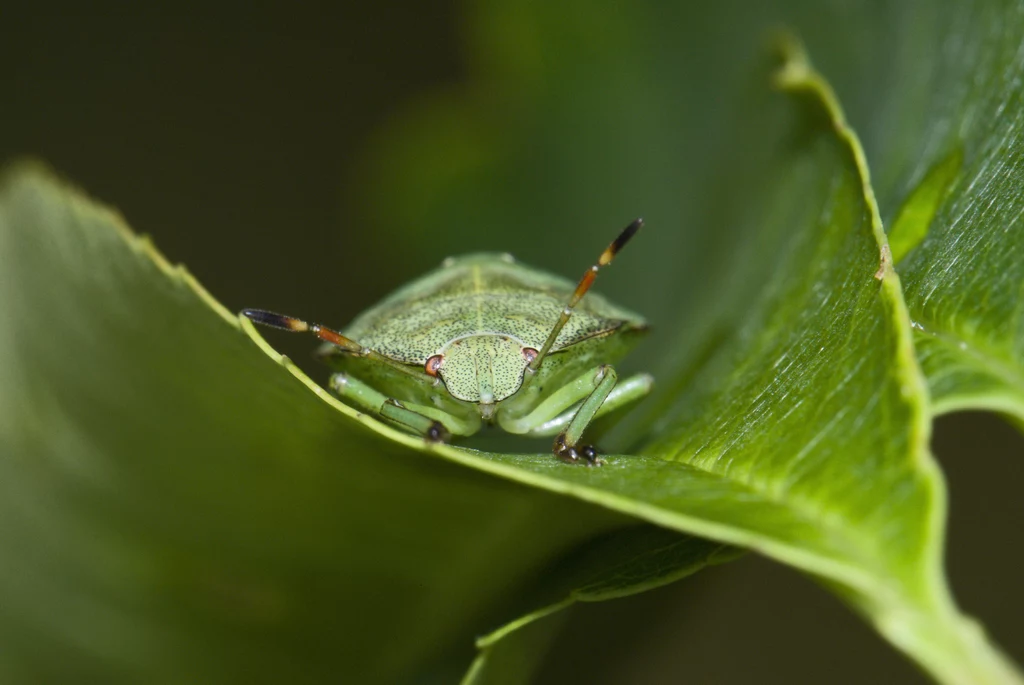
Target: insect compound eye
[
  {"x": 434, "y": 364},
  {"x": 529, "y": 354}
]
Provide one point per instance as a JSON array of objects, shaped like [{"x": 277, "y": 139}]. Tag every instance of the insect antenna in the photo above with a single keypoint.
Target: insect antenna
[
  {"x": 290, "y": 323},
  {"x": 584, "y": 285}
]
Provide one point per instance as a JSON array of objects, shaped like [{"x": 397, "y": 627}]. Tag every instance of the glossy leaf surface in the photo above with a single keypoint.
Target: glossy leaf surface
[{"x": 179, "y": 503}]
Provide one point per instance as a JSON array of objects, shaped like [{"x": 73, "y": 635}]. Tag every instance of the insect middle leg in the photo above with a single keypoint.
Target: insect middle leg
[
  {"x": 625, "y": 392},
  {"x": 432, "y": 423}
]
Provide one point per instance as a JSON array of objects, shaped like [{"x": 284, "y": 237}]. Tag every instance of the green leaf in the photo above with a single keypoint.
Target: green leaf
[
  {"x": 617, "y": 565},
  {"x": 965, "y": 279},
  {"x": 791, "y": 399},
  {"x": 918, "y": 211},
  {"x": 181, "y": 505}
]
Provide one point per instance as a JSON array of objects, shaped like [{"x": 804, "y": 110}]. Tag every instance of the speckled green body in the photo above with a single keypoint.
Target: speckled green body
[
  {"x": 482, "y": 294},
  {"x": 480, "y": 312},
  {"x": 483, "y": 339}
]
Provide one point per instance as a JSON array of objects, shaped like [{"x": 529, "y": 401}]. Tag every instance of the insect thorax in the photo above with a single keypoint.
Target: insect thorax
[{"x": 480, "y": 295}]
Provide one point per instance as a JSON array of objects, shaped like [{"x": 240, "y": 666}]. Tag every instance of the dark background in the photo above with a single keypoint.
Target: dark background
[{"x": 237, "y": 143}]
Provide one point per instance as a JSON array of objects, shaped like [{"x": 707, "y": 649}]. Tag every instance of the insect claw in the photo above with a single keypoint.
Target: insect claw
[
  {"x": 437, "y": 432},
  {"x": 568, "y": 455},
  {"x": 590, "y": 454},
  {"x": 575, "y": 454}
]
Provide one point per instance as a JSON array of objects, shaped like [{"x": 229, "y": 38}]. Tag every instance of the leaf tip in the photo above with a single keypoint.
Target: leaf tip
[{"x": 795, "y": 68}]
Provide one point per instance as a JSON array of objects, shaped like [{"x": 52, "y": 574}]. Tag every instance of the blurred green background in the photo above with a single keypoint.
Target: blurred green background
[{"x": 244, "y": 143}]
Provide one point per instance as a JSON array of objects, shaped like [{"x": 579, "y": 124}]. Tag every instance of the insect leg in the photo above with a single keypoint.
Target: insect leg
[
  {"x": 624, "y": 393},
  {"x": 567, "y": 445},
  {"x": 584, "y": 285},
  {"x": 453, "y": 424},
  {"x": 563, "y": 399},
  {"x": 574, "y": 406},
  {"x": 430, "y": 422}
]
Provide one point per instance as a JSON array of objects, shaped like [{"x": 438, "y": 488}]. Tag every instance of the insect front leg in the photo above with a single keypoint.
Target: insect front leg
[
  {"x": 432, "y": 423},
  {"x": 567, "y": 445},
  {"x": 581, "y": 399}
]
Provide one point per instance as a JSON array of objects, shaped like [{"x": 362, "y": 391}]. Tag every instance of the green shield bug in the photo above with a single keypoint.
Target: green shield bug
[{"x": 484, "y": 339}]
